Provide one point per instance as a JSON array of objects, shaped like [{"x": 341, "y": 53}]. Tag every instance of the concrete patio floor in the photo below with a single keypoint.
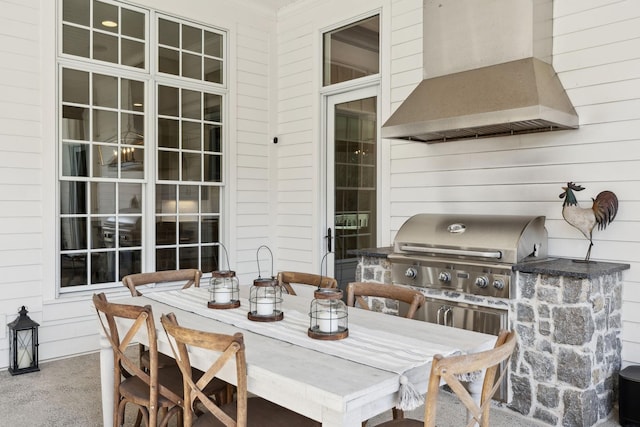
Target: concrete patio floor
[{"x": 66, "y": 393}]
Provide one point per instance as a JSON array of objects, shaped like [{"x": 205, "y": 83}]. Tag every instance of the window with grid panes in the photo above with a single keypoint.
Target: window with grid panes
[{"x": 114, "y": 178}]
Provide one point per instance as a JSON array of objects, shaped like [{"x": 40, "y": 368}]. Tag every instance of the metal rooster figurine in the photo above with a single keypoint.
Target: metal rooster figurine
[{"x": 601, "y": 213}]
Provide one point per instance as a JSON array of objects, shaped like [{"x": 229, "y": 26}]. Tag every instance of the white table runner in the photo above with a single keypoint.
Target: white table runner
[{"x": 378, "y": 349}]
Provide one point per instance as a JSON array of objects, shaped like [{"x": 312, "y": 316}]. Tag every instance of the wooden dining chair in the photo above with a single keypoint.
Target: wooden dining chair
[
  {"x": 157, "y": 392},
  {"x": 243, "y": 411},
  {"x": 287, "y": 278},
  {"x": 188, "y": 277},
  {"x": 356, "y": 291},
  {"x": 451, "y": 369}
]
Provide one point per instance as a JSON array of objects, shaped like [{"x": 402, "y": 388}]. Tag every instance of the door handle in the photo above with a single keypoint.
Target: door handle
[{"x": 329, "y": 239}]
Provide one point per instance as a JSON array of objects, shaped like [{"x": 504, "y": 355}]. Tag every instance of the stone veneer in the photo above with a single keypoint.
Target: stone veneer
[{"x": 568, "y": 318}]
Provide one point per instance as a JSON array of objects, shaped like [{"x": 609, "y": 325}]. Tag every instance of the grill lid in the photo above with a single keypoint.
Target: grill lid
[{"x": 500, "y": 238}]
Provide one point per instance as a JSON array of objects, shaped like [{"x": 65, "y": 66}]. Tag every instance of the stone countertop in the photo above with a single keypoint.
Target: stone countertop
[
  {"x": 552, "y": 266},
  {"x": 372, "y": 252},
  {"x": 578, "y": 269}
]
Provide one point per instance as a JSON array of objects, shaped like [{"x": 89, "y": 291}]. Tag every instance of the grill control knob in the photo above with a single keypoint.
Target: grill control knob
[
  {"x": 411, "y": 273},
  {"x": 482, "y": 282},
  {"x": 444, "y": 276},
  {"x": 498, "y": 284}
]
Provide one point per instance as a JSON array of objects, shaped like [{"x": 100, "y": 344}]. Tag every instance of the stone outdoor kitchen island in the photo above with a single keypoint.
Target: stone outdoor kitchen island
[
  {"x": 567, "y": 315},
  {"x": 568, "y": 318}
]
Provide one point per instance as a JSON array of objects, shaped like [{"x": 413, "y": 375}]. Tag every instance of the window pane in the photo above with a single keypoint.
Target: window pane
[
  {"x": 191, "y": 66},
  {"x": 73, "y": 233},
  {"x": 212, "y": 168},
  {"x": 190, "y": 167},
  {"x": 133, "y": 53},
  {"x": 169, "y": 33},
  {"x": 212, "y": 138},
  {"x": 213, "y": 44},
  {"x": 133, "y": 24},
  {"x": 168, "y": 61},
  {"x": 73, "y": 197},
  {"x": 103, "y": 267},
  {"x": 76, "y": 11},
  {"x": 210, "y": 199},
  {"x": 191, "y": 136},
  {"x": 212, "y": 107},
  {"x": 188, "y": 257},
  {"x": 73, "y": 269},
  {"x": 75, "y": 86},
  {"x": 210, "y": 258},
  {"x": 130, "y": 262},
  {"x": 168, "y": 133},
  {"x": 132, "y": 95},
  {"x": 188, "y": 229},
  {"x": 98, "y": 234},
  {"x": 75, "y": 41},
  {"x": 75, "y": 159},
  {"x": 210, "y": 230},
  {"x": 105, "y": 126},
  {"x": 132, "y": 129},
  {"x": 188, "y": 199},
  {"x": 105, "y": 16},
  {"x": 105, "y": 91},
  {"x": 75, "y": 123},
  {"x": 168, "y": 101},
  {"x": 191, "y": 106},
  {"x": 166, "y": 259},
  {"x": 166, "y": 199},
  {"x": 168, "y": 164},
  {"x": 133, "y": 168},
  {"x": 129, "y": 197},
  {"x": 212, "y": 70},
  {"x": 166, "y": 230},
  {"x": 191, "y": 39},
  {"x": 105, "y": 47},
  {"x": 352, "y": 51},
  {"x": 103, "y": 198}
]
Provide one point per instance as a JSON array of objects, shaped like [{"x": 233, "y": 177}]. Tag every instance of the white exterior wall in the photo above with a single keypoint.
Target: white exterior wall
[
  {"x": 27, "y": 163},
  {"x": 274, "y": 195},
  {"x": 596, "y": 45}
]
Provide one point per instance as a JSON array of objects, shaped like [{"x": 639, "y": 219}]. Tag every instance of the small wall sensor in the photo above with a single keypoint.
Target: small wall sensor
[{"x": 275, "y": 139}]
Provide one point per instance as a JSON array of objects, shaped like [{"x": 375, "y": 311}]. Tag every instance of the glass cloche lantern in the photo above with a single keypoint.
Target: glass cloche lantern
[
  {"x": 223, "y": 290},
  {"x": 328, "y": 316},
  {"x": 265, "y": 296}
]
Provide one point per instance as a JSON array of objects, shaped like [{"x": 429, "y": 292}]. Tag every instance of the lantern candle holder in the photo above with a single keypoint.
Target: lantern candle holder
[
  {"x": 265, "y": 296},
  {"x": 265, "y": 301},
  {"x": 328, "y": 316},
  {"x": 23, "y": 344},
  {"x": 223, "y": 290}
]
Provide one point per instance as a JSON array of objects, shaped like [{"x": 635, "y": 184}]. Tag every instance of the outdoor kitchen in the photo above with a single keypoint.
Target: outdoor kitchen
[{"x": 490, "y": 272}]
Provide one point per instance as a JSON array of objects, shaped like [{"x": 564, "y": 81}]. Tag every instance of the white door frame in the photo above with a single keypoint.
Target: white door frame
[{"x": 327, "y": 152}]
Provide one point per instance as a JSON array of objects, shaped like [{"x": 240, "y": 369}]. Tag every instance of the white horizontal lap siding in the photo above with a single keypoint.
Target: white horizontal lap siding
[
  {"x": 296, "y": 164},
  {"x": 20, "y": 162},
  {"x": 252, "y": 165},
  {"x": 596, "y": 54}
]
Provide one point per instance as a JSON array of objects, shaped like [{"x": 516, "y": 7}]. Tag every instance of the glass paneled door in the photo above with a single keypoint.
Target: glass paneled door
[{"x": 352, "y": 139}]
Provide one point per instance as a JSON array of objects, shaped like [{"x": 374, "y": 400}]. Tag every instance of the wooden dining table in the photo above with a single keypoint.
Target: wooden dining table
[{"x": 302, "y": 374}]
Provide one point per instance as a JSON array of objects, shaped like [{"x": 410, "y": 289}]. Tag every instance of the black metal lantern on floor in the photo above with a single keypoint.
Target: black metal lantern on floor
[
  {"x": 23, "y": 344},
  {"x": 265, "y": 296}
]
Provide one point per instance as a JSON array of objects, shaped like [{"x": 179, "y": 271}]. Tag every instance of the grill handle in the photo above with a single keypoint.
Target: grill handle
[{"x": 445, "y": 251}]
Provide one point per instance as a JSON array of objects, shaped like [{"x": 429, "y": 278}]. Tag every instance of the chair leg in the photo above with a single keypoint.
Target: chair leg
[{"x": 398, "y": 414}]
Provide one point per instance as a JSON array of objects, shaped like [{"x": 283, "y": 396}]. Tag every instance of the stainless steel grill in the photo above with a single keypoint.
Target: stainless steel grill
[{"x": 467, "y": 253}]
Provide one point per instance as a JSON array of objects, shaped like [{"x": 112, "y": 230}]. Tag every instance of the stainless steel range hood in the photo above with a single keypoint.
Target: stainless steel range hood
[{"x": 487, "y": 73}]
